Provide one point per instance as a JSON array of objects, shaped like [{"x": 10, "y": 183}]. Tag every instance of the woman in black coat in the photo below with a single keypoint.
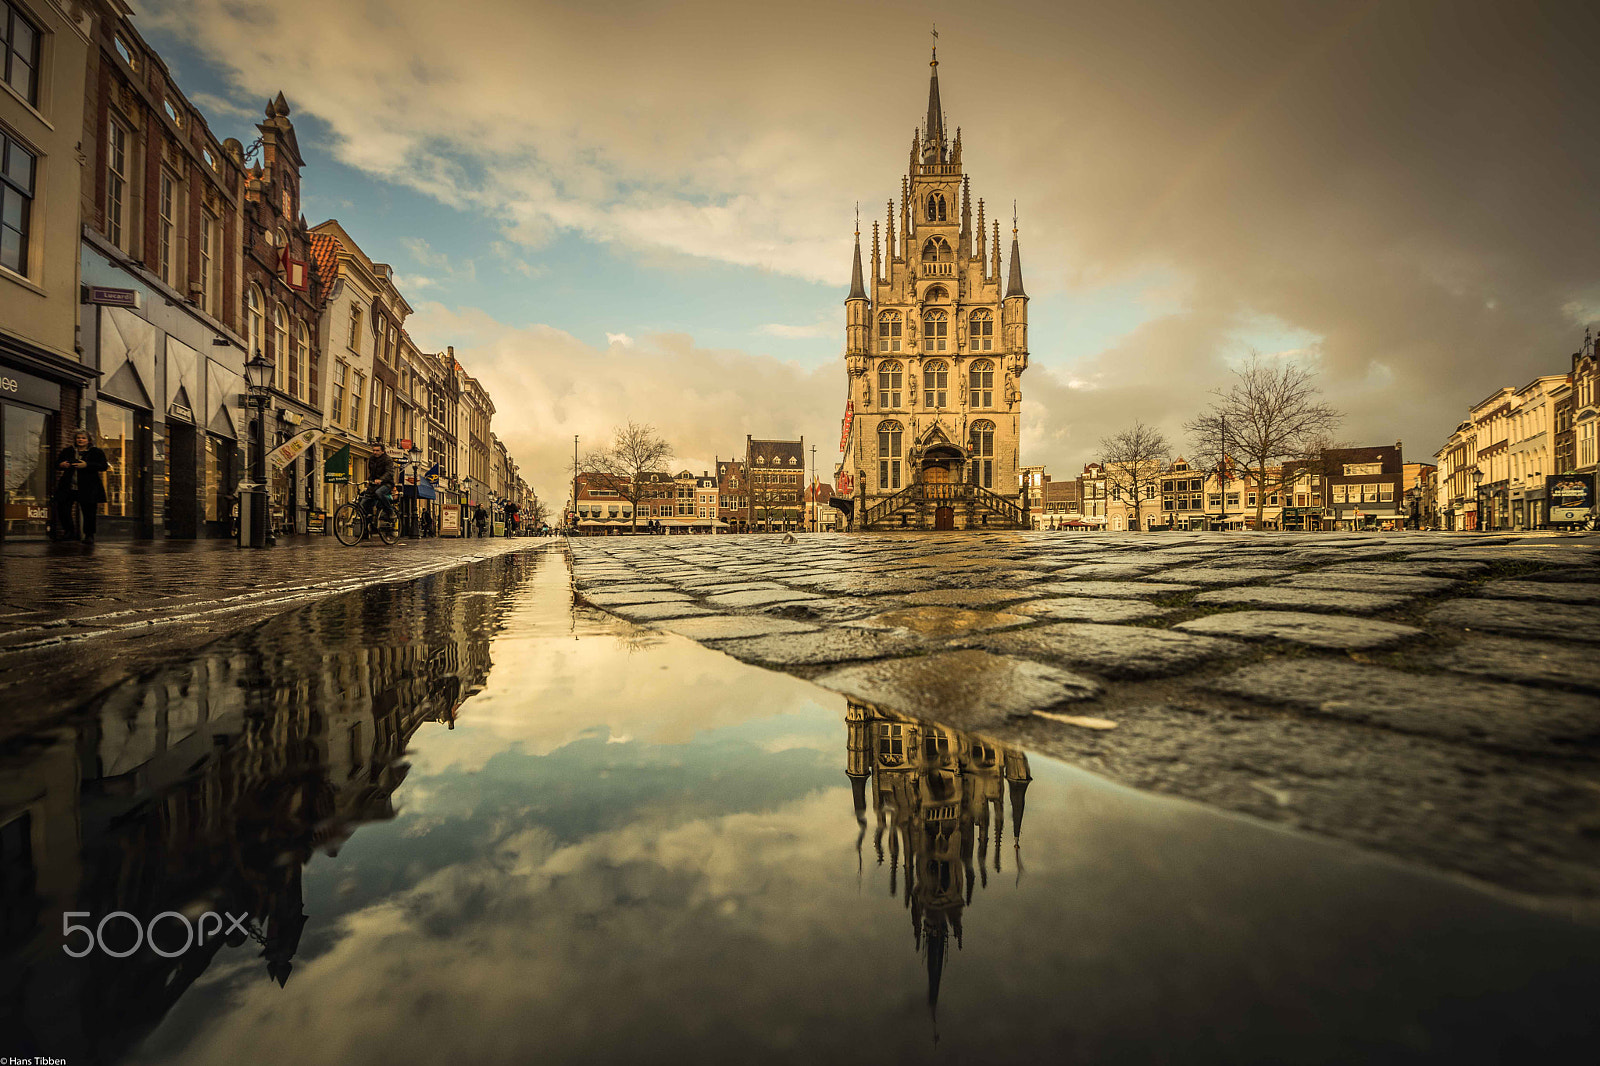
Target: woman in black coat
[{"x": 79, "y": 482}]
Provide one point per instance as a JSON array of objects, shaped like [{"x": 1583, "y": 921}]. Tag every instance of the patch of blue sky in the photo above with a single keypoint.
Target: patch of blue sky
[{"x": 1271, "y": 336}]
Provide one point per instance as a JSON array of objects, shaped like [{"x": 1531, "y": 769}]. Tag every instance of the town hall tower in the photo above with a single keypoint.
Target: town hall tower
[{"x": 935, "y": 346}]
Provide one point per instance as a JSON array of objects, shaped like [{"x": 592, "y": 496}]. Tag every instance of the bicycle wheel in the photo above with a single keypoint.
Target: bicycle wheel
[
  {"x": 386, "y": 523},
  {"x": 349, "y": 524}
]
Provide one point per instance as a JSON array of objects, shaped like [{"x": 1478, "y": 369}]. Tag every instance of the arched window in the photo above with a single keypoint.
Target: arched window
[
  {"x": 889, "y": 331},
  {"x": 889, "y": 442},
  {"x": 981, "y": 448},
  {"x": 302, "y": 361},
  {"x": 980, "y": 386},
  {"x": 280, "y": 348},
  {"x": 889, "y": 384},
  {"x": 937, "y": 250},
  {"x": 982, "y": 333},
  {"x": 937, "y": 292},
  {"x": 255, "y": 322},
  {"x": 936, "y": 207},
  {"x": 935, "y": 331},
  {"x": 935, "y": 384}
]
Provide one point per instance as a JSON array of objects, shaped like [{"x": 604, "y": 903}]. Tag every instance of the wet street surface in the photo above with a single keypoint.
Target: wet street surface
[
  {"x": 75, "y": 619},
  {"x": 465, "y": 820},
  {"x": 1435, "y": 697}
]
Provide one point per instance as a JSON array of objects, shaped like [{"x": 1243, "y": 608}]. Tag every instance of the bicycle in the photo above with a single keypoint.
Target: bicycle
[{"x": 370, "y": 513}]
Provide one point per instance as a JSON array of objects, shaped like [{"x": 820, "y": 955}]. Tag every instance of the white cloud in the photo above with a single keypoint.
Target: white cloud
[
  {"x": 816, "y": 329},
  {"x": 548, "y": 385}
]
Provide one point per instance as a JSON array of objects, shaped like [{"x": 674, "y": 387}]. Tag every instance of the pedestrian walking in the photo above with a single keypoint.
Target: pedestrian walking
[
  {"x": 480, "y": 518},
  {"x": 79, "y": 483}
]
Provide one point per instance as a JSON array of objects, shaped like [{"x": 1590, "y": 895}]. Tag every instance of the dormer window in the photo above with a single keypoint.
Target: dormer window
[
  {"x": 125, "y": 52},
  {"x": 173, "y": 113},
  {"x": 211, "y": 160}
]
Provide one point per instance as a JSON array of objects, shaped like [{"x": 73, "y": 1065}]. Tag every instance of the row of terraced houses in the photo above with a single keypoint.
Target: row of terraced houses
[{"x": 144, "y": 261}]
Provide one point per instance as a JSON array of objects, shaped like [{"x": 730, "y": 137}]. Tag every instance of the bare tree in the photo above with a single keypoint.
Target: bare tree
[
  {"x": 535, "y": 513},
  {"x": 1269, "y": 422},
  {"x": 636, "y": 450},
  {"x": 1132, "y": 460}
]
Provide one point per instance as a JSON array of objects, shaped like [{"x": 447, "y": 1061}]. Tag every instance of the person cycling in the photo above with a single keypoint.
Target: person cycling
[{"x": 380, "y": 473}]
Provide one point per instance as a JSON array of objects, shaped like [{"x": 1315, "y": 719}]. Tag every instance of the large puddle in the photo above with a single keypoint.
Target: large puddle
[{"x": 469, "y": 824}]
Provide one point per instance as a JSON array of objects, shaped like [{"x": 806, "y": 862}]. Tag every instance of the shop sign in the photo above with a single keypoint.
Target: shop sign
[
  {"x": 179, "y": 411},
  {"x": 109, "y": 297},
  {"x": 25, "y": 388},
  {"x": 16, "y": 512},
  {"x": 844, "y": 426},
  {"x": 317, "y": 522},
  {"x": 450, "y": 522},
  {"x": 1571, "y": 496},
  {"x": 336, "y": 468}
]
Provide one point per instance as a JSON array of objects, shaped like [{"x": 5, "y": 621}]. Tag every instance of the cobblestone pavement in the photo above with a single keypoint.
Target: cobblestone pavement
[
  {"x": 74, "y": 619},
  {"x": 1432, "y": 696}
]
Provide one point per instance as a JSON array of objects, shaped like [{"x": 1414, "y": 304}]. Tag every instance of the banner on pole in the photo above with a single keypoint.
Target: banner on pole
[{"x": 289, "y": 451}]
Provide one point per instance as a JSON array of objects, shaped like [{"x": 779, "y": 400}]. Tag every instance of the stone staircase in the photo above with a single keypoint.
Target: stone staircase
[{"x": 916, "y": 507}]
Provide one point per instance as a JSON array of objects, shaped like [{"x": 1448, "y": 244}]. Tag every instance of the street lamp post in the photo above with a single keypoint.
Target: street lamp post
[
  {"x": 1477, "y": 492},
  {"x": 416, "y": 490},
  {"x": 253, "y": 531}
]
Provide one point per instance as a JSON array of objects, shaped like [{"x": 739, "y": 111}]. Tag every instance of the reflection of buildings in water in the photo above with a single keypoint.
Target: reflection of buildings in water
[
  {"x": 936, "y": 792},
  {"x": 209, "y": 787}
]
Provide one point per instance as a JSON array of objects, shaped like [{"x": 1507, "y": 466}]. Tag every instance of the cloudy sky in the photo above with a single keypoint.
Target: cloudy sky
[{"x": 636, "y": 210}]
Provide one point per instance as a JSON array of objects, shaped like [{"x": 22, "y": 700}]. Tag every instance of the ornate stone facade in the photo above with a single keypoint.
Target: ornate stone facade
[{"x": 935, "y": 350}]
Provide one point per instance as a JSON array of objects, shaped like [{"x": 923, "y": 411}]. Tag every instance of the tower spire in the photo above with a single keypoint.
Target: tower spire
[
  {"x": 933, "y": 150},
  {"x": 858, "y": 289},
  {"x": 1014, "y": 283}
]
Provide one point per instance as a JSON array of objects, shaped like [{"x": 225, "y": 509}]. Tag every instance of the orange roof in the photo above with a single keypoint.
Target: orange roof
[{"x": 325, "y": 250}]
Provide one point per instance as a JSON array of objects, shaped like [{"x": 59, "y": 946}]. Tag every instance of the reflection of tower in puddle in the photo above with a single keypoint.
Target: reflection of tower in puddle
[{"x": 936, "y": 792}]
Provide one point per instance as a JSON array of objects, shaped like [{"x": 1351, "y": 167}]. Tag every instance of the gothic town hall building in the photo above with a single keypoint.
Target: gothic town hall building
[{"x": 935, "y": 348}]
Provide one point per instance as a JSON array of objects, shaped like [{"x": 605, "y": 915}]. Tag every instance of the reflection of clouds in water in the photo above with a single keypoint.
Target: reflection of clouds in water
[
  {"x": 792, "y": 741},
  {"x": 547, "y": 692},
  {"x": 570, "y": 940}
]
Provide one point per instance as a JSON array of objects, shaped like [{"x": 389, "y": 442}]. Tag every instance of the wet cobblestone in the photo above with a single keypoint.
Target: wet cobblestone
[{"x": 1438, "y": 703}]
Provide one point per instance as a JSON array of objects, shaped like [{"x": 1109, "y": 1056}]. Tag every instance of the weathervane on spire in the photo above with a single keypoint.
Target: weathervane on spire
[
  {"x": 935, "y": 45},
  {"x": 1013, "y": 218},
  {"x": 858, "y": 218}
]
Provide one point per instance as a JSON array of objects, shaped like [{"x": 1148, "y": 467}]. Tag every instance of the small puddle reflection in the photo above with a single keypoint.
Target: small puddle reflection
[{"x": 467, "y": 822}]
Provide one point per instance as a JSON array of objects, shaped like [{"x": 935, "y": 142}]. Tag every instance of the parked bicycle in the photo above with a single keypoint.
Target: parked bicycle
[{"x": 370, "y": 513}]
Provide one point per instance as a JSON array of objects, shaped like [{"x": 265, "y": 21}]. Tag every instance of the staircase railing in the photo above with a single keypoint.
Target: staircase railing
[
  {"x": 998, "y": 504},
  {"x": 884, "y": 508}
]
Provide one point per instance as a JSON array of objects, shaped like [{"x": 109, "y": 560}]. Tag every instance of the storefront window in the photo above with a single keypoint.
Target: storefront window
[
  {"x": 116, "y": 433},
  {"x": 27, "y": 471},
  {"x": 219, "y": 478}
]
